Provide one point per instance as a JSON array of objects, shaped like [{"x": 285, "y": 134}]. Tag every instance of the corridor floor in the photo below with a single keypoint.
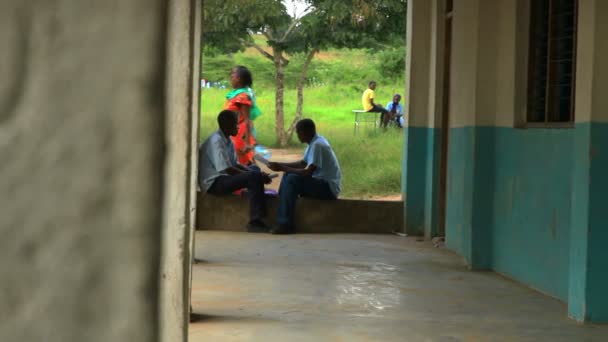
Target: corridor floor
[{"x": 256, "y": 287}]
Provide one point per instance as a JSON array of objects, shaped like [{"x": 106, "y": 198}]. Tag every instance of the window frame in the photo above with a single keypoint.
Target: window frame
[{"x": 531, "y": 68}]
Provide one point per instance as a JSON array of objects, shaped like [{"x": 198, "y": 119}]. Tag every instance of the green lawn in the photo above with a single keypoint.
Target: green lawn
[{"x": 371, "y": 162}]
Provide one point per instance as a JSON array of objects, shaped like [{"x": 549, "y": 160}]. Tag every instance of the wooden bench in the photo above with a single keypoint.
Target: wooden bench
[
  {"x": 363, "y": 117},
  {"x": 231, "y": 213}
]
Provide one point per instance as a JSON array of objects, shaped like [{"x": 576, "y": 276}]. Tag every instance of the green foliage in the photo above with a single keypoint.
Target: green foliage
[
  {"x": 336, "y": 23},
  {"x": 350, "y": 68},
  {"x": 228, "y": 22},
  {"x": 358, "y": 23},
  {"x": 217, "y": 67},
  {"x": 391, "y": 63}
]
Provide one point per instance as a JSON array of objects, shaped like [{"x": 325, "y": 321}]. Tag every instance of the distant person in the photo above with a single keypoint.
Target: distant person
[
  {"x": 369, "y": 106},
  {"x": 317, "y": 176},
  {"x": 242, "y": 100},
  {"x": 395, "y": 111},
  {"x": 221, "y": 174}
]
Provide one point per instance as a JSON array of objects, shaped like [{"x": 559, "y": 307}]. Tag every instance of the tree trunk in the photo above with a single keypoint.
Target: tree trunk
[
  {"x": 279, "y": 98},
  {"x": 300, "y": 88}
]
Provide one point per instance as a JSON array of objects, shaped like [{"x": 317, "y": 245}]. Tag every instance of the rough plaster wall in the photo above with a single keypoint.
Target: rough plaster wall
[
  {"x": 81, "y": 144},
  {"x": 183, "y": 61}
]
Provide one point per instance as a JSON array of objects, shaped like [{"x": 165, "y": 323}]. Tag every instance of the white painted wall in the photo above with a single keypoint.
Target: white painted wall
[
  {"x": 464, "y": 69},
  {"x": 418, "y": 63},
  {"x": 489, "y": 70},
  {"x": 592, "y": 71},
  {"x": 600, "y": 67}
]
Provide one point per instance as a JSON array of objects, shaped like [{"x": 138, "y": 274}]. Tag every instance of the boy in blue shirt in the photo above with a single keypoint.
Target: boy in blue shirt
[
  {"x": 395, "y": 110},
  {"x": 317, "y": 176}
]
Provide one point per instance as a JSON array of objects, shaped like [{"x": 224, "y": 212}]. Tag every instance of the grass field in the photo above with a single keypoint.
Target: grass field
[{"x": 370, "y": 161}]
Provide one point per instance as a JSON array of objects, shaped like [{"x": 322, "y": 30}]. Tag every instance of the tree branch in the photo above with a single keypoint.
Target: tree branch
[
  {"x": 299, "y": 108},
  {"x": 295, "y": 23},
  {"x": 290, "y": 29},
  {"x": 268, "y": 34},
  {"x": 266, "y": 54},
  {"x": 257, "y": 47}
]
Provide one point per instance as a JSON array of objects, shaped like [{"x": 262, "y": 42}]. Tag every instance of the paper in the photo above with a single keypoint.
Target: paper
[{"x": 261, "y": 159}]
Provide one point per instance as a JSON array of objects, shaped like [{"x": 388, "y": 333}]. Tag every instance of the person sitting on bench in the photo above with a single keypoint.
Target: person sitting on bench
[
  {"x": 367, "y": 100},
  {"x": 395, "y": 110},
  {"x": 221, "y": 174},
  {"x": 317, "y": 176}
]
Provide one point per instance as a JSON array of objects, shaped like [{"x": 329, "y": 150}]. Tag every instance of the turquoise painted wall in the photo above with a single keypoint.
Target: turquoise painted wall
[
  {"x": 420, "y": 170},
  {"x": 519, "y": 182},
  {"x": 532, "y": 206},
  {"x": 597, "y": 247},
  {"x": 459, "y": 191}
]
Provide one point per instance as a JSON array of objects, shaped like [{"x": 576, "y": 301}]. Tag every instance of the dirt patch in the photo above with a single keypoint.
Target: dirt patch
[
  {"x": 327, "y": 56},
  {"x": 283, "y": 156},
  {"x": 396, "y": 197},
  {"x": 286, "y": 155}
]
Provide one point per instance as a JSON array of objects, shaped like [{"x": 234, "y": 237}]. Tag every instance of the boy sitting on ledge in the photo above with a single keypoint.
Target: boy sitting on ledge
[
  {"x": 317, "y": 176},
  {"x": 221, "y": 174}
]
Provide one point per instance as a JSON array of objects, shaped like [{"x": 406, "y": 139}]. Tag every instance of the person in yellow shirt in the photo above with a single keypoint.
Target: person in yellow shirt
[{"x": 369, "y": 106}]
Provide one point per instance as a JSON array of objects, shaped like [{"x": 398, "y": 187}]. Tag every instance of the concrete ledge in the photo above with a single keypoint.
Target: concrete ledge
[{"x": 231, "y": 213}]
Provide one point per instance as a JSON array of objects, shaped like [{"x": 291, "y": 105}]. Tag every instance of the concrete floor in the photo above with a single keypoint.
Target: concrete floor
[{"x": 252, "y": 287}]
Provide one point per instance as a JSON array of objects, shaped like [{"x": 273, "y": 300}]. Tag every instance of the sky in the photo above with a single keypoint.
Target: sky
[{"x": 298, "y": 5}]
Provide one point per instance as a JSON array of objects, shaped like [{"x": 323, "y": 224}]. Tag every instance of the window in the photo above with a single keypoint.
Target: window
[{"x": 552, "y": 61}]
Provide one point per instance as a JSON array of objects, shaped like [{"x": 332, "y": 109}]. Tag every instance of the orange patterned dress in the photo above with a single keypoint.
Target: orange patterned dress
[{"x": 244, "y": 142}]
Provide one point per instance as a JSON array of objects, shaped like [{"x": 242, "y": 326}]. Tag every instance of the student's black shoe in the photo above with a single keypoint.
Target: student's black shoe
[
  {"x": 283, "y": 230},
  {"x": 258, "y": 227}
]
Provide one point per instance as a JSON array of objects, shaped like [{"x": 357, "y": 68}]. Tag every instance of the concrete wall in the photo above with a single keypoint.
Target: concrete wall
[
  {"x": 523, "y": 202},
  {"x": 312, "y": 216},
  {"x": 182, "y": 89},
  {"x": 82, "y": 149},
  {"x": 95, "y": 172}
]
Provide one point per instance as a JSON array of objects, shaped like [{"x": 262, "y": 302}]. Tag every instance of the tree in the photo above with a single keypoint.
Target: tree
[{"x": 229, "y": 25}]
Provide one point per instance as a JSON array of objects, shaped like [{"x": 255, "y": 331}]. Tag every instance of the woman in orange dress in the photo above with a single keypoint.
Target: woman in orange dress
[{"x": 242, "y": 100}]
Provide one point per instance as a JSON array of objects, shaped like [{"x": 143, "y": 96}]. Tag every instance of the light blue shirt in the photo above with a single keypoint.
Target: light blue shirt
[
  {"x": 216, "y": 155},
  {"x": 320, "y": 154},
  {"x": 398, "y": 110}
]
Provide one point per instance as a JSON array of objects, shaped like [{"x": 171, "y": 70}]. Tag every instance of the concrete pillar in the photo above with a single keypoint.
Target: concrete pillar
[
  {"x": 473, "y": 94},
  {"x": 195, "y": 108},
  {"x": 420, "y": 162},
  {"x": 82, "y": 148},
  {"x": 589, "y": 229},
  {"x": 473, "y": 79},
  {"x": 183, "y": 70},
  {"x": 460, "y": 235}
]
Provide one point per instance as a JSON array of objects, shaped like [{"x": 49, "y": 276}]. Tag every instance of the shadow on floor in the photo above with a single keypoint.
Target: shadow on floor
[{"x": 205, "y": 318}]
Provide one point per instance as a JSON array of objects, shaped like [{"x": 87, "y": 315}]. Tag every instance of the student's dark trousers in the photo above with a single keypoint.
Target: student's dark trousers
[
  {"x": 253, "y": 181},
  {"x": 293, "y": 186},
  {"x": 379, "y": 109}
]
